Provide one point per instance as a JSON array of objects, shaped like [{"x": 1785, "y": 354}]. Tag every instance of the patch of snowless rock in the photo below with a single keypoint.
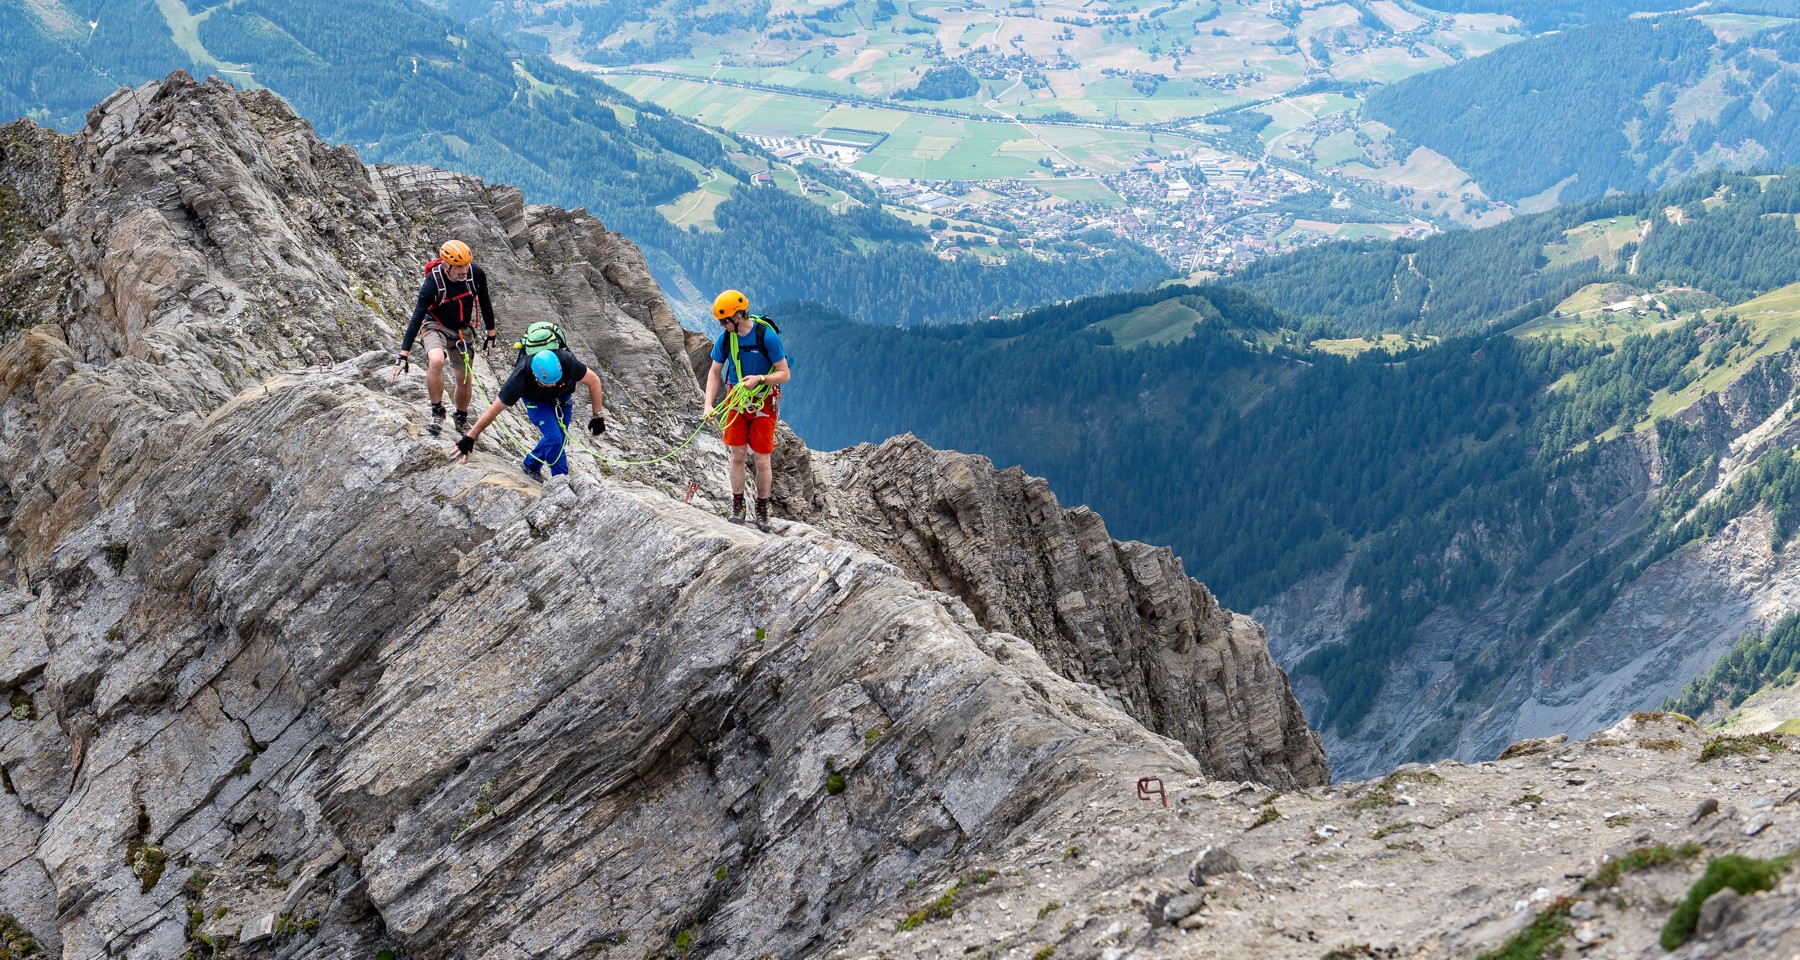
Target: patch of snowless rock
[
  {"x": 284, "y": 680},
  {"x": 1444, "y": 861}
]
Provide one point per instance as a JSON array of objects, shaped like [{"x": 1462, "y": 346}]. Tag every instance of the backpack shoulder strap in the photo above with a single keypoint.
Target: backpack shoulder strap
[{"x": 732, "y": 347}]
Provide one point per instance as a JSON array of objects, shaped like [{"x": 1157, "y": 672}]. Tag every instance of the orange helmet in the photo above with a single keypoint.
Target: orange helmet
[
  {"x": 727, "y": 305},
  {"x": 456, "y": 253}
]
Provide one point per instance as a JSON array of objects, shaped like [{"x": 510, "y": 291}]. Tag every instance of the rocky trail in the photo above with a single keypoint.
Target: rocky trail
[{"x": 1443, "y": 861}]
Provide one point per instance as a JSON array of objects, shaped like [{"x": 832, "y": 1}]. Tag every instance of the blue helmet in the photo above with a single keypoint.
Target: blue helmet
[{"x": 547, "y": 368}]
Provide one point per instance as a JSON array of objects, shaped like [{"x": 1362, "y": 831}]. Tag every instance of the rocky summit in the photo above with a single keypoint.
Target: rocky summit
[{"x": 285, "y": 679}]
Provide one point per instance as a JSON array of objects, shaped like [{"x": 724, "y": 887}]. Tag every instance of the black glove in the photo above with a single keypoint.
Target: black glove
[
  {"x": 465, "y": 445},
  {"x": 597, "y": 426},
  {"x": 404, "y": 363},
  {"x": 489, "y": 346}
]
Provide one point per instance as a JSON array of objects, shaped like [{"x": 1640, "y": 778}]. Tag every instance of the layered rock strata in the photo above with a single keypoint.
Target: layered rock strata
[{"x": 283, "y": 674}]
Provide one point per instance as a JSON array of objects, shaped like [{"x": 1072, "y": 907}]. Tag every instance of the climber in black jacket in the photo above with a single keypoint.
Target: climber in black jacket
[{"x": 454, "y": 288}]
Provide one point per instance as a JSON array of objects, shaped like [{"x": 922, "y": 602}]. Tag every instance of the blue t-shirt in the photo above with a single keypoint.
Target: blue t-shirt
[{"x": 754, "y": 361}]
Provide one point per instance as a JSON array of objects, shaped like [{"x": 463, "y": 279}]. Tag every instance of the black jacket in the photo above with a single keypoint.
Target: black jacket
[{"x": 449, "y": 305}]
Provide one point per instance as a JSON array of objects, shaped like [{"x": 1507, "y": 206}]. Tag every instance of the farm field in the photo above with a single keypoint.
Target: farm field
[
  {"x": 1600, "y": 240},
  {"x": 1157, "y": 324},
  {"x": 1346, "y": 231},
  {"x": 1736, "y": 26},
  {"x": 917, "y": 146},
  {"x": 1082, "y": 191},
  {"x": 1356, "y": 346},
  {"x": 1594, "y": 328}
]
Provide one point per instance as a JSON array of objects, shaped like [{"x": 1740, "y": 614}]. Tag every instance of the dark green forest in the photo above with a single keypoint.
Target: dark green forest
[
  {"x": 56, "y": 78},
  {"x": 943, "y": 83},
  {"x": 1600, "y": 106},
  {"x": 1466, "y": 280},
  {"x": 404, "y": 83},
  {"x": 1757, "y": 660},
  {"x": 1263, "y": 464}
]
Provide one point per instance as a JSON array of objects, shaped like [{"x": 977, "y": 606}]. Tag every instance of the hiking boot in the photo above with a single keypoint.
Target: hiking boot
[
  {"x": 462, "y": 422},
  {"x": 437, "y": 419},
  {"x": 737, "y": 509},
  {"x": 762, "y": 514},
  {"x": 535, "y": 474}
]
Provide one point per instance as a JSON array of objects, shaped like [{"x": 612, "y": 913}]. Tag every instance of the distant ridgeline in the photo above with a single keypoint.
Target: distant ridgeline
[
  {"x": 1732, "y": 234},
  {"x": 405, "y": 83},
  {"x": 1205, "y": 419},
  {"x": 1608, "y": 106}
]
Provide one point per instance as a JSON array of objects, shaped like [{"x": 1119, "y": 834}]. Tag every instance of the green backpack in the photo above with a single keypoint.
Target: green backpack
[{"x": 540, "y": 336}]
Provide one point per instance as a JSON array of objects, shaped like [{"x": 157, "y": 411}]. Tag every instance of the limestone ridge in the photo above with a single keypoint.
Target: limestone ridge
[
  {"x": 279, "y": 670},
  {"x": 1124, "y": 616}
]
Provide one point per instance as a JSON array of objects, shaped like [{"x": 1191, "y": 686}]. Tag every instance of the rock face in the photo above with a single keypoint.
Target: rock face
[
  {"x": 282, "y": 673},
  {"x": 1121, "y": 616}
]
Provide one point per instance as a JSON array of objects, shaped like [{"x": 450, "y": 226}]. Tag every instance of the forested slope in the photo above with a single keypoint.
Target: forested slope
[
  {"x": 1732, "y": 234},
  {"x": 1487, "y": 472},
  {"x": 1624, "y": 105}
]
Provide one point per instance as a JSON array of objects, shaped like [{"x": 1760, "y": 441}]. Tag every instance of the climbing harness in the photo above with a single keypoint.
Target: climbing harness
[{"x": 738, "y": 400}]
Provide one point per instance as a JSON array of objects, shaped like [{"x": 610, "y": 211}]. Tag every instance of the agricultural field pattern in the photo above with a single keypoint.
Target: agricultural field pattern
[{"x": 1215, "y": 131}]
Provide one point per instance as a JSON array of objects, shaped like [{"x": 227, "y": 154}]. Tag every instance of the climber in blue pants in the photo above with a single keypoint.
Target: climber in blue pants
[
  {"x": 552, "y": 420},
  {"x": 545, "y": 381}
]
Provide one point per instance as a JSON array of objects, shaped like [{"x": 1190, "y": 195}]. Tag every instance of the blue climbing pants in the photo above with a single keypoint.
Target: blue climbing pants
[{"x": 552, "y": 420}]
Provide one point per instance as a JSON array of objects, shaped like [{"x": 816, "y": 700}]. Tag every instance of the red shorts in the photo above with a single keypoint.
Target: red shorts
[{"x": 758, "y": 432}]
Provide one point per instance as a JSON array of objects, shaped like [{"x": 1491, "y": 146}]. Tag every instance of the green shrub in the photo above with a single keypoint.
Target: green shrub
[
  {"x": 1643, "y": 858},
  {"x": 1541, "y": 940},
  {"x": 1728, "y": 746},
  {"x": 1740, "y": 873}
]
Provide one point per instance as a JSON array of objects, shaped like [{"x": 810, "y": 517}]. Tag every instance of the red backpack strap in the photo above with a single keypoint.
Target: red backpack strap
[{"x": 433, "y": 265}]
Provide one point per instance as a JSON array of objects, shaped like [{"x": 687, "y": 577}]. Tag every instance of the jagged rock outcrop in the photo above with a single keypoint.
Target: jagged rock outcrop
[
  {"x": 283, "y": 673},
  {"x": 1122, "y": 616}
]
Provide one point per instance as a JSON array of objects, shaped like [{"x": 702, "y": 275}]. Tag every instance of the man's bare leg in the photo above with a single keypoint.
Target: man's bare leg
[
  {"x": 765, "y": 476},
  {"x": 434, "y": 377}
]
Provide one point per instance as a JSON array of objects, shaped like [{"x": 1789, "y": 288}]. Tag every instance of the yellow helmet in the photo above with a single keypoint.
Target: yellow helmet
[
  {"x": 456, "y": 253},
  {"x": 727, "y": 304}
]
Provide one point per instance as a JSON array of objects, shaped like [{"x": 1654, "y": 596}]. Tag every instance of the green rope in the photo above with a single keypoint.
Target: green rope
[
  {"x": 508, "y": 435},
  {"x": 738, "y": 400}
]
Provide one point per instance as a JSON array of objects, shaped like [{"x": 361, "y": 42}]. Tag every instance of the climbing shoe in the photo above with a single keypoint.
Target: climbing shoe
[
  {"x": 462, "y": 421},
  {"x": 737, "y": 508},
  {"x": 762, "y": 514},
  {"x": 437, "y": 419}
]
